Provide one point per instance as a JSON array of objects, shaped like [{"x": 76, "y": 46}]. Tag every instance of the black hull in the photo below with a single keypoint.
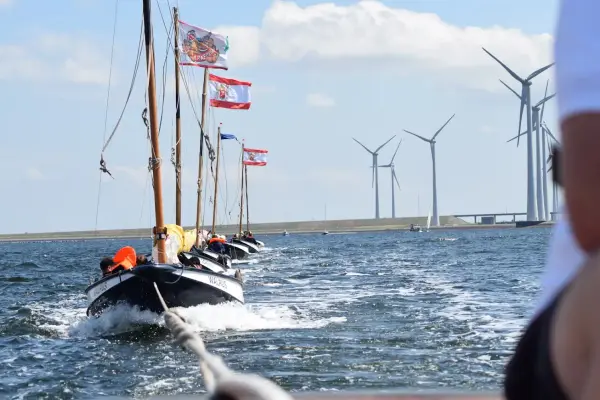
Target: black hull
[
  {"x": 525, "y": 224},
  {"x": 251, "y": 249},
  {"x": 175, "y": 284},
  {"x": 237, "y": 253}
]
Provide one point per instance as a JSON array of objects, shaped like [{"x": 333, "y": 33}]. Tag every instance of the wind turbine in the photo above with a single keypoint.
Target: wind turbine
[
  {"x": 526, "y": 101},
  {"x": 436, "y": 217},
  {"x": 392, "y": 167},
  {"x": 543, "y": 213},
  {"x": 375, "y": 176}
]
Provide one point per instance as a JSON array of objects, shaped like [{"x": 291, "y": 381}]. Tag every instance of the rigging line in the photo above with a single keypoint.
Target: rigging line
[
  {"x": 181, "y": 70},
  {"x": 165, "y": 66},
  {"x": 112, "y": 52},
  {"x": 131, "y": 86}
]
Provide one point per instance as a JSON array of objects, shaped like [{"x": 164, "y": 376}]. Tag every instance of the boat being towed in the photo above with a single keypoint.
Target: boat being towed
[{"x": 181, "y": 285}]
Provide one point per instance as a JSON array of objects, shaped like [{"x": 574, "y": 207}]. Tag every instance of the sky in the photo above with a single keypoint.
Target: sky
[{"x": 322, "y": 73}]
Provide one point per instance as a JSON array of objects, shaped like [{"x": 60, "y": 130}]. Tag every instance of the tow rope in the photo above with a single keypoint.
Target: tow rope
[{"x": 220, "y": 381}]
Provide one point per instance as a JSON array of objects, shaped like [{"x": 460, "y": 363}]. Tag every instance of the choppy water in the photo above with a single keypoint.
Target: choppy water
[{"x": 348, "y": 311}]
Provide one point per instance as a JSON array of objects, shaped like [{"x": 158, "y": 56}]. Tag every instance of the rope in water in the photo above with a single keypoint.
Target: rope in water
[{"x": 220, "y": 381}]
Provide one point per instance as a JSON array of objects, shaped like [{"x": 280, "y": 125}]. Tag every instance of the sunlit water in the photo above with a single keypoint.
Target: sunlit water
[{"x": 348, "y": 311}]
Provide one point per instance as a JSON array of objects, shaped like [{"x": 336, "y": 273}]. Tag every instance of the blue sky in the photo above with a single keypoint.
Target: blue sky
[{"x": 322, "y": 73}]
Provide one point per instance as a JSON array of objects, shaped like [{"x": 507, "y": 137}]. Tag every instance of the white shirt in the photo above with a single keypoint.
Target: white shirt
[{"x": 577, "y": 56}]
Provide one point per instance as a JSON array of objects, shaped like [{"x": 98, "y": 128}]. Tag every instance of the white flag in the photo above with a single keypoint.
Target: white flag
[
  {"x": 202, "y": 48},
  {"x": 229, "y": 93}
]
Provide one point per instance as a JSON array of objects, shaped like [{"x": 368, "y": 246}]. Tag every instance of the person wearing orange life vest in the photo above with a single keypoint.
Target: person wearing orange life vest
[
  {"x": 123, "y": 260},
  {"x": 216, "y": 244}
]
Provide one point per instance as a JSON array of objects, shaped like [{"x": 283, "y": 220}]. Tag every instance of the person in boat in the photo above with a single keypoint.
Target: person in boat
[
  {"x": 558, "y": 355},
  {"x": 123, "y": 260},
  {"x": 216, "y": 244}
]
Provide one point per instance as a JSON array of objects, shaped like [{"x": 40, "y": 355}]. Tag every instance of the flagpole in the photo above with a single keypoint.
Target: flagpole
[
  {"x": 214, "y": 221},
  {"x": 242, "y": 189},
  {"x": 247, "y": 204},
  {"x": 201, "y": 159},
  {"x": 177, "y": 121}
]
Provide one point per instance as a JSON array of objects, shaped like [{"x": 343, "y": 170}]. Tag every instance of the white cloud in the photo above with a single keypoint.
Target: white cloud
[
  {"x": 33, "y": 174},
  {"x": 245, "y": 44},
  {"x": 54, "y": 56},
  {"x": 319, "y": 100},
  {"x": 5, "y": 2},
  {"x": 371, "y": 33}
]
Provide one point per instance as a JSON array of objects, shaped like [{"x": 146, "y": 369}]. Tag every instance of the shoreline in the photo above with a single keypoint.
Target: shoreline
[{"x": 270, "y": 229}]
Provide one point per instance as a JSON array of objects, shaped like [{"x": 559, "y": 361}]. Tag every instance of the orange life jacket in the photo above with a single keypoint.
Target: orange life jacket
[
  {"x": 126, "y": 258},
  {"x": 217, "y": 239}
]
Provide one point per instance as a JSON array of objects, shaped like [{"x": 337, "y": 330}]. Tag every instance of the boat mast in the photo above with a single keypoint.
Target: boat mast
[
  {"x": 159, "y": 230},
  {"x": 247, "y": 206},
  {"x": 242, "y": 192},
  {"x": 214, "y": 219},
  {"x": 177, "y": 122},
  {"x": 201, "y": 159}
]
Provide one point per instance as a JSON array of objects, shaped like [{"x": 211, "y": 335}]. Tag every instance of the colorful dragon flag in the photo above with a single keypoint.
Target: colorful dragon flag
[
  {"x": 229, "y": 93},
  {"x": 255, "y": 157},
  {"x": 202, "y": 48}
]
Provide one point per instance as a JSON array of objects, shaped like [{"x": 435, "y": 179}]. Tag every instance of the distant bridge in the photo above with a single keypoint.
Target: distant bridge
[{"x": 490, "y": 218}]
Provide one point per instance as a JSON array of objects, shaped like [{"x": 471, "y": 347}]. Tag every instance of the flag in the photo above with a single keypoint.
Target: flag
[
  {"x": 229, "y": 93},
  {"x": 255, "y": 157},
  {"x": 202, "y": 48},
  {"x": 225, "y": 136}
]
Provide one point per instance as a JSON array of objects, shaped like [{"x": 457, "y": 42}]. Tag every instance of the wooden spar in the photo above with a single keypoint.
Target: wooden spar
[
  {"x": 247, "y": 206},
  {"x": 242, "y": 192},
  {"x": 214, "y": 219},
  {"x": 177, "y": 122},
  {"x": 159, "y": 230},
  {"x": 201, "y": 159}
]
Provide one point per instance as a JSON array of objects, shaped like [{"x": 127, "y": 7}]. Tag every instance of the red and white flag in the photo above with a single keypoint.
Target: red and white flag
[
  {"x": 229, "y": 93},
  {"x": 255, "y": 157}
]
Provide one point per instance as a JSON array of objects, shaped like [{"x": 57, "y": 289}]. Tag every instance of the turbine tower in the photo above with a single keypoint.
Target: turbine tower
[
  {"x": 375, "y": 176},
  {"x": 543, "y": 212},
  {"x": 436, "y": 217},
  {"x": 526, "y": 101},
  {"x": 392, "y": 167}
]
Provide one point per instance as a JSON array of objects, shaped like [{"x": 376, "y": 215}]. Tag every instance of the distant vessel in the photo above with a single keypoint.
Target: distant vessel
[
  {"x": 285, "y": 233},
  {"x": 325, "y": 233},
  {"x": 428, "y": 221},
  {"x": 415, "y": 228}
]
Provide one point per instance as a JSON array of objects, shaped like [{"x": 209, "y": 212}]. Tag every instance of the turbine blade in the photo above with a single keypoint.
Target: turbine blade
[
  {"x": 443, "y": 126},
  {"x": 397, "y": 147},
  {"x": 516, "y": 137},
  {"x": 364, "y": 147},
  {"x": 550, "y": 133},
  {"x": 420, "y": 137},
  {"x": 373, "y": 177},
  {"x": 517, "y": 77},
  {"x": 539, "y": 71},
  {"x": 509, "y": 88},
  {"x": 521, "y": 112},
  {"x": 396, "y": 179},
  {"x": 544, "y": 100},
  {"x": 380, "y": 147}
]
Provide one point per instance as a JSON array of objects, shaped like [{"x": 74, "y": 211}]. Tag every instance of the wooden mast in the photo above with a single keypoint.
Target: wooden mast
[
  {"x": 242, "y": 192},
  {"x": 214, "y": 219},
  {"x": 177, "y": 122},
  {"x": 159, "y": 230},
  {"x": 247, "y": 206},
  {"x": 201, "y": 159}
]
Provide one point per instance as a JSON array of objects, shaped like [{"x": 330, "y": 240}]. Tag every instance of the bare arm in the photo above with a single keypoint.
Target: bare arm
[{"x": 577, "y": 53}]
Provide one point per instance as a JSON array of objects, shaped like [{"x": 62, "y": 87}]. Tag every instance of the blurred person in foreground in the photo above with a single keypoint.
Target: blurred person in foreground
[{"x": 558, "y": 356}]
